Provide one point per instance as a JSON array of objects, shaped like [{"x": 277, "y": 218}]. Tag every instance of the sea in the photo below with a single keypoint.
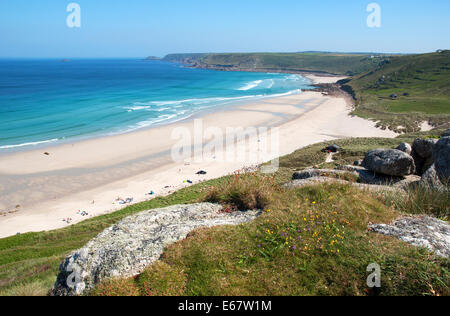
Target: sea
[{"x": 47, "y": 101}]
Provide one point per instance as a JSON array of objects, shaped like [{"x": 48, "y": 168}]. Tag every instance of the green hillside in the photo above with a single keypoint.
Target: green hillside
[
  {"x": 422, "y": 86},
  {"x": 334, "y": 63}
]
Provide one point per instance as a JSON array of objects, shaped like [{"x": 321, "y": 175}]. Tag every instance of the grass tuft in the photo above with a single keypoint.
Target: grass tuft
[
  {"x": 421, "y": 199},
  {"x": 243, "y": 192}
]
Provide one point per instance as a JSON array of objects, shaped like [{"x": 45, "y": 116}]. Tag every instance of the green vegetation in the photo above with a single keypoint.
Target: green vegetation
[
  {"x": 264, "y": 257},
  {"x": 309, "y": 241},
  {"x": 334, "y": 63},
  {"x": 422, "y": 86}
]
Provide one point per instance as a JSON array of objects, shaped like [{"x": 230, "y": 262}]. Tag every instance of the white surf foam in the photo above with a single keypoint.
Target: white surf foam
[
  {"x": 29, "y": 144},
  {"x": 251, "y": 85}
]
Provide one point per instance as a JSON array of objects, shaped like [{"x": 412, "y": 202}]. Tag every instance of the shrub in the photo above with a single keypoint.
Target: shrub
[
  {"x": 36, "y": 288},
  {"x": 420, "y": 199},
  {"x": 244, "y": 191}
]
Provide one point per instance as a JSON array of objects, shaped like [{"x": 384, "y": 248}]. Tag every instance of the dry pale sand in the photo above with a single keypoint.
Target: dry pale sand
[
  {"x": 90, "y": 175},
  {"x": 317, "y": 79}
]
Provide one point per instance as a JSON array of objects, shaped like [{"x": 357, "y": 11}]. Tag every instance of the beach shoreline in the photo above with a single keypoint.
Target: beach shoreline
[{"x": 89, "y": 176}]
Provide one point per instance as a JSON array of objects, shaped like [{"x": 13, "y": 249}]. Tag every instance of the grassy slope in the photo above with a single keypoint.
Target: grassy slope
[
  {"x": 342, "y": 64},
  {"x": 230, "y": 256},
  {"x": 310, "y": 241},
  {"x": 426, "y": 79}
]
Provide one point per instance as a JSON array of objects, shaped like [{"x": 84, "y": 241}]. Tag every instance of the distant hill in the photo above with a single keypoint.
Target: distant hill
[
  {"x": 152, "y": 58},
  {"x": 332, "y": 63},
  {"x": 403, "y": 91}
]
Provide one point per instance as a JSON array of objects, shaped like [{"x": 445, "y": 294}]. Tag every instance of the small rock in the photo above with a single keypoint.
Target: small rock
[
  {"x": 358, "y": 163},
  {"x": 332, "y": 148},
  {"x": 305, "y": 174},
  {"x": 405, "y": 147}
]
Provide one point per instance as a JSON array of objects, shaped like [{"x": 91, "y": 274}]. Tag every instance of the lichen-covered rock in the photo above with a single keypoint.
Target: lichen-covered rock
[
  {"x": 391, "y": 162},
  {"x": 442, "y": 159},
  {"x": 405, "y": 147},
  {"x": 424, "y": 231},
  {"x": 305, "y": 174},
  {"x": 431, "y": 179},
  {"x": 127, "y": 248},
  {"x": 311, "y": 173},
  {"x": 318, "y": 180},
  {"x": 424, "y": 147}
]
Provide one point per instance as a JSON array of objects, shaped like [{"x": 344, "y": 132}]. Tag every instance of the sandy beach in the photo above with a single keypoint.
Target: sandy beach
[{"x": 38, "y": 191}]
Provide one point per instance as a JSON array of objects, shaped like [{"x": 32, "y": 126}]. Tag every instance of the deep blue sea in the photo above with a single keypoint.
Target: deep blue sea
[{"x": 46, "y": 101}]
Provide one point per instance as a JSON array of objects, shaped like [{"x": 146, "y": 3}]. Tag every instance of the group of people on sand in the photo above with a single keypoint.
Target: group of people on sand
[
  {"x": 125, "y": 201},
  {"x": 69, "y": 220}
]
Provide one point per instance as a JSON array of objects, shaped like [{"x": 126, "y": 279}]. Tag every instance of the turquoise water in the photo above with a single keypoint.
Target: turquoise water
[{"x": 50, "y": 101}]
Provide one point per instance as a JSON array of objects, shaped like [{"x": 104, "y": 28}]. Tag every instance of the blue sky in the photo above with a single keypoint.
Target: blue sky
[{"x": 137, "y": 28}]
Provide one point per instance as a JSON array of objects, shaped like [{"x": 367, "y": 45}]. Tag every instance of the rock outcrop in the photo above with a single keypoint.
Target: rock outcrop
[
  {"x": 422, "y": 153},
  {"x": 310, "y": 173},
  {"x": 317, "y": 180},
  {"x": 127, "y": 248},
  {"x": 431, "y": 179},
  {"x": 424, "y": 231},
  {"x": 391, "y": 162},
  {"x": 442, "y": 159}
]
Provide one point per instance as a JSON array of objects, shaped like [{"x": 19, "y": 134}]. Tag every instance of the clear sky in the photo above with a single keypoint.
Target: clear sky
[{"x": 138, "y": 28}]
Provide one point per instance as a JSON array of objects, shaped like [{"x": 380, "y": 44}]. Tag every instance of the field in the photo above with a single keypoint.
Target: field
[{"x": 265, "y": 257}]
